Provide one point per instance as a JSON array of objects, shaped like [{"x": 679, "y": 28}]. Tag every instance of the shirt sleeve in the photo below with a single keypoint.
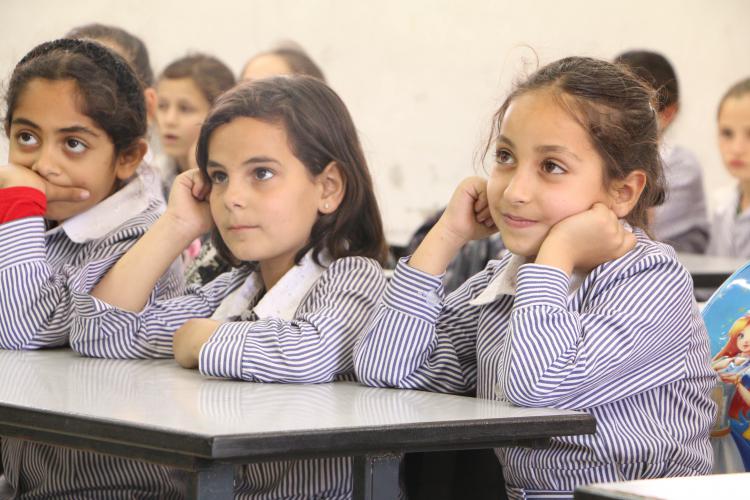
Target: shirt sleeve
[
  {"x": 418, "y": 338},
  {"x": 316, "y": 346},
  {"x": 105, "y": 331},
  {"x": 36, "y": 303},
  {"x": 640, "y": 330}
]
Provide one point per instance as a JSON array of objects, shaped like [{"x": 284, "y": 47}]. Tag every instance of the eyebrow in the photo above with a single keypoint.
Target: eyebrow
[
  {"x": 75, "y": 129},
  {"x": 250, "y": 161},
  {"x": 542, "y": 149}
]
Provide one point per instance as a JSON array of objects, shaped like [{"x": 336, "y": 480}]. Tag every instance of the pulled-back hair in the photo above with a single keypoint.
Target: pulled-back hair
[
  {"x": 110, "y": 92},
  {"x": 616, "y": 109},
  {"x": 657, "y": 71},
  {"x": 736, "y": 91},
  {"x": 210, "y": 75},
  {"x": 135, "y": 50},
  {"x": 320, "y": 131},
  {"x": 296, "y": 58}
]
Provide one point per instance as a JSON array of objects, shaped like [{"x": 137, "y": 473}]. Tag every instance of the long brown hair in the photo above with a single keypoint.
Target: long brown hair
[
  {"x": 617, "y": 110},
  {"x": 320, "y": 131}
]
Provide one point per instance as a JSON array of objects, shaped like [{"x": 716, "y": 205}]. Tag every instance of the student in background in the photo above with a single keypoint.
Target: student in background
[
  {"x": 76, "y": 120},
  {"x": 556, "y": 322},
  {"x": 730, "y": 228},
  {"x": 682, "y": 220},
  {"x": 284, "y": 180},
  {"x": 186, "y": 89},
  {"x": 287, "y": 59}
]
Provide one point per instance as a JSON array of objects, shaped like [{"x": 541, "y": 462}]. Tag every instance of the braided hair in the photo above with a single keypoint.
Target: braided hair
[{"x": 111, "y": 94}]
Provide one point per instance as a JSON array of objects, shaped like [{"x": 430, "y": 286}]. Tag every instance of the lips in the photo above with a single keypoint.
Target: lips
[
  {"x": 736, "y": 163},
  {"x": 517, "y": 222},
  {"x": 241, "y": 227}
]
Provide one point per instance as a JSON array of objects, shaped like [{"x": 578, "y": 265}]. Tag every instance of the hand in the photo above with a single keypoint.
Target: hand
[
  {"x": 189, "y": 339},
  {"x": 467, "y": 216},
  {"x": 16, "y": 176},
  {"x": 586, "y": 240},
  {"x": 188, "y": 203}
]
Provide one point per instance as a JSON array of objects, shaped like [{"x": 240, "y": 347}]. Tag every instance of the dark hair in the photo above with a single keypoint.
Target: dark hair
[
  {"x": 320, "y": 131},
  {"x": 110, "y": 93},
  {"x": 655, "y": 70},
  {"x": 737, "y": 90},
  {"x": 210, "y": 75},
  {"x": 615, "y": 107},
  {"x": 297, "y": 60},
  {"x": 133, "y": 49}
]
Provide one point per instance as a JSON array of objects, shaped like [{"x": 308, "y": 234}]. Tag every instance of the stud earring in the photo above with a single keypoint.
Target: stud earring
[{"x": 325, "y": 206}]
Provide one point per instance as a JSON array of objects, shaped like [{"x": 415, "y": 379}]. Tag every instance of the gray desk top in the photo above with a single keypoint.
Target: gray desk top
[
  {"x": 673, "y": 488},
  {"x": 708, "y": 270},
  {"x": 65, "y": 398}
]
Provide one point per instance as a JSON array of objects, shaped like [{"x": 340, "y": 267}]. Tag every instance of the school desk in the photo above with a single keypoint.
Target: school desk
[
  {"x": 156, "y": 411},
  {"x": 709, "y": 271},
  {"x": 673, "y": 488}
]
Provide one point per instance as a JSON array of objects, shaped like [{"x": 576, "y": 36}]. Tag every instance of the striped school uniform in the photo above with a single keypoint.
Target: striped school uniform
[
  {"x": 300, "y": 331},
  {"x": 624, "y": 343},
  {"x": 38, "y": 272}
]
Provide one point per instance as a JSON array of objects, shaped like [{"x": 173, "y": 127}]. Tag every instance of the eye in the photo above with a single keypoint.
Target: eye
[
  {"x": 552, "y": 167},
  {"x": 726, "y": 133},
  {"x": 26, "y": 139},
  {"x": 217, "y": 177},
  {"x": 184, "y": 108},
  {"x": 75, "y": 146},
  {"x": 263, "y": 173},
  {"x": 163, "y": 105},
  {"x": 504, "y": 157}
]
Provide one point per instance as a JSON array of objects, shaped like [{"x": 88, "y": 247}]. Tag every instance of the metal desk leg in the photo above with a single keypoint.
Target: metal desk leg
[
  {"x": 376, "y": 477},
  {"x": 214, "y": 482}
]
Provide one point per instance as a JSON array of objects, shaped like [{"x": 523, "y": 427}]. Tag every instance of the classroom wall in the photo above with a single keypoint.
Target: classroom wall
[{"x": 423, "y": 77}]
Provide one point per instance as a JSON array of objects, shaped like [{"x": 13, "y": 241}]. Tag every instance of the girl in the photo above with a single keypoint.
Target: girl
[
  {"x": 186, "y": 89},
  {"x": 576, "y": 314},
  {"x": 75, "y": 119},
  {"x": 281, "y": 61},
  {"x": 730, "y": 231},
  {"x": 293, "y": 207}
]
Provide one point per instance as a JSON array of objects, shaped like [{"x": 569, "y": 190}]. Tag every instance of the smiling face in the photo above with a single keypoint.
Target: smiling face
[
  {"x": 50, "y": 135},
  {"x": 734, "y": 136},
  {"x": 743, "y": 341},
  {"x": 263, "y": 200},
  {"x": 546, "y": 169},
  {"x": 181, "y": 108}
]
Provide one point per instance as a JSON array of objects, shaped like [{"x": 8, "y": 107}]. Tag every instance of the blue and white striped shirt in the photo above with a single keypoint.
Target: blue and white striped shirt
[
  {"x": 626, "y": 344},
  {"x": 38, "y": 271},
  {"x": 301, "y": 334}
]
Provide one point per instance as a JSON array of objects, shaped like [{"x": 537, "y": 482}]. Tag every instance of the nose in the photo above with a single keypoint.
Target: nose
[
  {"x": 234, "y": 194},
  {"x": 45, "y": 163},
  {"x": 169, "y": 115},
  {"x": 520, "y": 185}
]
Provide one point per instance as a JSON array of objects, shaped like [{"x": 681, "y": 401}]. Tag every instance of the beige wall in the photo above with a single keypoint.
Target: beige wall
[{"x": 423, "y": 77}]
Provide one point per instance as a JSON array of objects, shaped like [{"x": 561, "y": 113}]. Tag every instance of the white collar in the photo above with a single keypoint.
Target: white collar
[
  {"x": 504, "y": 283},
  {"x": 281, "y": 301},
  {"x": 109, "y": 213}
]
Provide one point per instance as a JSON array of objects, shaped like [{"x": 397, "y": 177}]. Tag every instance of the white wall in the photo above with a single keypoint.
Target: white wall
[{"x": 423, "y": 77}]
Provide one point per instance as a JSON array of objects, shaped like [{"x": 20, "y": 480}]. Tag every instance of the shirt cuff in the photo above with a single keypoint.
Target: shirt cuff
[
  {"x": 221, "y": 356},
  {"x": 22, "y": 241},
  {"x": 415, "y": 292},
  {"x": 541, "y": 285}
]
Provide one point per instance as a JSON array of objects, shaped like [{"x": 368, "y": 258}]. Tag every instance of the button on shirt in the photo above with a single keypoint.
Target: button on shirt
[{"x": 627, "y": 346}]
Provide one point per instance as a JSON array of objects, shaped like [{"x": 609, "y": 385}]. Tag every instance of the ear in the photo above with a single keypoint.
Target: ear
[
  {"x": 127, "y": 162},
  {"x": 667, "y": 116},
  {"x": 150, "y": 95},
  {"x": 332, "y": 187},
  {"x": 624, "y": 193}
]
